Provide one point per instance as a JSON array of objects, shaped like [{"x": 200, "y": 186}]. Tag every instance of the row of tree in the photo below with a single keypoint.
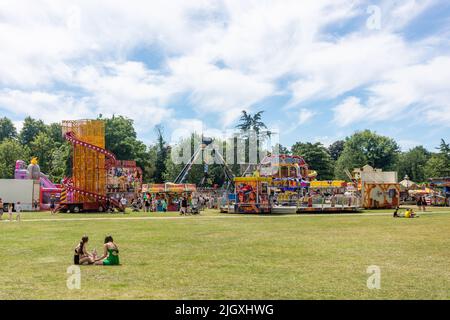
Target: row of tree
[
  {"x": 37, "y": 139},
  {"x": 367, "y": 147}
]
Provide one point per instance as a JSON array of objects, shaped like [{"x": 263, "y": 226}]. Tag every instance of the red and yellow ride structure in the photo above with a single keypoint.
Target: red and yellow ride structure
[{"x": 86, "y": 190}]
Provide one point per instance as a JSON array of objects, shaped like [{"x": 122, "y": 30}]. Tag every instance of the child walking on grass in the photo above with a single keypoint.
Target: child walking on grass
[
  {"x": 10, "y": 211},
  {"x": 18, "y": 210}
]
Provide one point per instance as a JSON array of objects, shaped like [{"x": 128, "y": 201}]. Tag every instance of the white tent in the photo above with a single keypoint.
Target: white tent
[{"x": 408, "y": 184}]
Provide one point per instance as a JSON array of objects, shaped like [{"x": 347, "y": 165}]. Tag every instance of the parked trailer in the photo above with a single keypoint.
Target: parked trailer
[
  {"x": 23, "y": 191},
  {"x": 86, "y": 207}
]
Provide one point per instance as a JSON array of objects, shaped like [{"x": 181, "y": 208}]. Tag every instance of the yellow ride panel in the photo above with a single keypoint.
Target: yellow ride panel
[{"x": 88, "y": 167}]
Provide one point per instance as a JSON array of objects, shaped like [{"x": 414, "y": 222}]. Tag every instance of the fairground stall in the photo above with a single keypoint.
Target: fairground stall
[
  {"x": 252, "y": 194},
  {"x": 330, "y": 196},
  {"x": 432, "y": 197},
  {"x": 405, "y": 185},
  {"x": 289, "y": 179},
  {"x": 328, "y": 187},
  {"x": 169, "y": 192},
  {"x": 443, "y": 185},
  {"x": 124, "y": 179},
  {"x": 287, "y": 191},
  {"x": 379, "y": 189}
]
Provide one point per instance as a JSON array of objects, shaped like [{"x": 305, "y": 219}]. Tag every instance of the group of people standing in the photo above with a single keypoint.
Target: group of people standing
[
  {"x": 155, "y": 203},
  {"x": 10, "y": 207},
  {"x": 152, "y": 204},
  {"x": 421, "y": 202}
]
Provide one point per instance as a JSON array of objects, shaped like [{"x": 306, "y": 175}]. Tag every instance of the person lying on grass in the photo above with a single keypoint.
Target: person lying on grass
[
  {"x": 110, "y": 254},
  {"x": 82, "y": 256}
]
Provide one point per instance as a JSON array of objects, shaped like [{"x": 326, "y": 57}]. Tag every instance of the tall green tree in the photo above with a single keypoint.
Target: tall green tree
[
  {"x": 42, "y": 147},
  {"x": 437, "y": 166},
  {"x": 121, "y": 139},
  {"x": 10, "y": 151},
  {"x": 31, "y": 128},
  {"x": 317, "y": 158},
  {"x": 335, "y": 149},
  {"x": 172, "y": 169},
  {"x": 162, "y": 155},
  {"x": 54, "y": 131},
  {"x": 444, "y": 149},
  {"x": 412, "y": 163},
  {"x": 367, "y": 147},
  {"x": 282, "y": 149},
  {"x": 252, "y": 124},
  {"x": 7, "y": 129},
  {"x": 61, "y": 163},
  {"x": 439, "y": 163}
]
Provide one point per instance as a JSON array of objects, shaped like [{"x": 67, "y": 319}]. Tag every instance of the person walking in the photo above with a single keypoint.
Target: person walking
[
  {"x": 154, "y": 204},
  {"x": 52, "y": 202},
  {"x": 418, "y": 202},
  {"x": 1, "y": 208},
  {"x": 424, "y": 204},
  {"x": 10, "y": 211},
  {"x": 123, "y": 201},
  {"x": 147, "y": 204},
  {"x": 183, "y": 208},
  {"x": 18, "y": 211}
]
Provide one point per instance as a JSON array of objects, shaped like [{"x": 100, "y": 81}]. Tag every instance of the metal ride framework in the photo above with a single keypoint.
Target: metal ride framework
[
  {"x": 217, "y": 159},
  {"x": 90, "y": 162}
]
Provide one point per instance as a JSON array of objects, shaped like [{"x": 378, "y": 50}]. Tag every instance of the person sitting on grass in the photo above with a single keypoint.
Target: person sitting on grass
[
  {"x": 81, "y": 255},
  {"x": 134, "y": 205},
  {"x": 110, "y": 254},
  {"x": 409, "y": 213},
  {"x": 396, "y": 213}
]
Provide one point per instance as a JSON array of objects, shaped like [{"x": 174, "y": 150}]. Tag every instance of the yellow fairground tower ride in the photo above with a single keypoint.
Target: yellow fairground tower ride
[{"x": 86, "y": 190}]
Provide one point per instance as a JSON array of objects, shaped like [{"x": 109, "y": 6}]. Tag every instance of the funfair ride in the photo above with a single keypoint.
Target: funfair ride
[
  {"x": 48, "y": 191},
  {"x": 285, "y": 184},
  {"x": 86, "y": 190}
]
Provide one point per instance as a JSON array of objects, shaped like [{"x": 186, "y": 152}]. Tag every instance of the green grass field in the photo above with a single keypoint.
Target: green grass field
[{"x": 218, "y": 256}]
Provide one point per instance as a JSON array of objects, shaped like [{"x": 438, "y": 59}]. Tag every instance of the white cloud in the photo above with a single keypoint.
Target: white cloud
[
  {"x": 212, "y": 89},
  {"x": 46, "y": 106},
  {"x": 305, "y": 115},
  {"x": 397, "y": 14},
  {"x": 18, "y": 125},
  {"x": 354, "y": 61},
  {"x": 419, "y": 92},
  {"x": 128, "y": 89},
  {"x": 85, "y": 48},
  {"x": 349, "y": 111}
]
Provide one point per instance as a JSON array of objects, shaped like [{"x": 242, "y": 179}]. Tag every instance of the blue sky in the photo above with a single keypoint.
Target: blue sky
[{"x": 319, "y": 69}]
